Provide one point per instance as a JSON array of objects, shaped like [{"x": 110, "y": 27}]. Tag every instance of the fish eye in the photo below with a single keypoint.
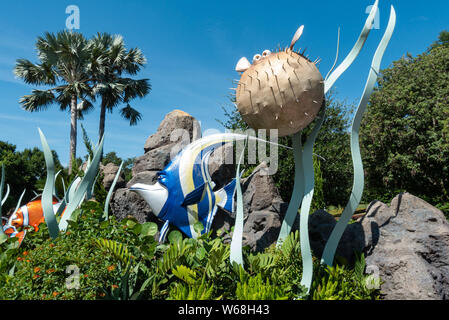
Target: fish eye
[
  {"x": 266, "y": 53},
  {"x": 257, "y": 57}
]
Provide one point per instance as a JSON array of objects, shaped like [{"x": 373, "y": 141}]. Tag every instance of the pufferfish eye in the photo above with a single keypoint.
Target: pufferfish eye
[
  {"x": 257, "y": 57},
  {"x": 266, "y": 53}
]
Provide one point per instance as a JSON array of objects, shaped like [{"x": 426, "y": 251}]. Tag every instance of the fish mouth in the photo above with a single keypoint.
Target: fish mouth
[{"x": 155, "y": 195}]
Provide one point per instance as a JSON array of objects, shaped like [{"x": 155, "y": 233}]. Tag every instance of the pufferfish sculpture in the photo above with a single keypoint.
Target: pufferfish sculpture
[{"x": 280, "y": 90}]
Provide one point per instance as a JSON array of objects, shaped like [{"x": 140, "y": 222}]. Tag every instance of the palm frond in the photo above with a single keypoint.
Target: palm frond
[
  {"x": 135, "y": 88},
  {"x": 131, "y": 114},
  {"x": 34, "y": 73},
  {"x": 38, "y": 100}
]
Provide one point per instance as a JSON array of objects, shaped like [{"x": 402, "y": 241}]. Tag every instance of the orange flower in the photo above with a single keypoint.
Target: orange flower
[
  {"x": 19, "y": 259},
  {"x": 27, "y": 260},
  {"x": 115, "y": 286},
  {"x": 50, "y": 270},
  {"x": 68, "y": 233},
  {"x": 25, "y": 253},
  {"x": 55, "y": 293},
  {"x": 85, "y": 276},
  {"x": 36, "y": 276},
  {"x": 37, "y": 269},
  {"x": 52, "y": 245},
  {"x": 102, "y": 294},
  {"x": 111, "y": 268}
]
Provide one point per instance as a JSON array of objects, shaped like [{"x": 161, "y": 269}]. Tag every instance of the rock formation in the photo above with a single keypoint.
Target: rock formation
[
  {"x": 176, "y": 130},
  {"x": 407, "y": 242}
]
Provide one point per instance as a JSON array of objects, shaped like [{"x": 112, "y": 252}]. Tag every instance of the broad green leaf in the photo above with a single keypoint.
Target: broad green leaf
[
  {"x": 175, "y": 236},
  {"x": 198, "y": 227},
  {"x": 149, "y": 229}
]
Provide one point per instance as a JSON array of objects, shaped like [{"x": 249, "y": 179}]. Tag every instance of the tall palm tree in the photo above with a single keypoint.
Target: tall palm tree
[
  {"x": 110, "y": 62},
  {"x": 63, "y": 67}
]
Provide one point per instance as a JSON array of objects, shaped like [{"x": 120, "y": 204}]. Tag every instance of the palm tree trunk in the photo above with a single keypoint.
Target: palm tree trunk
[
  {"x": 73, "y": 131},
  {"x": 102, "y": 122}
]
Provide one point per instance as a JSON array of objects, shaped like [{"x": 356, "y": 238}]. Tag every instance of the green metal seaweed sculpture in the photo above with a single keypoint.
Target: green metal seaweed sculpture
[{"x": 303, "y": 189}]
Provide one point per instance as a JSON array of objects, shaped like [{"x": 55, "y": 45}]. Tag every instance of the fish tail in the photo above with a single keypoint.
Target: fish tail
[{"x": 225, "y": 196}]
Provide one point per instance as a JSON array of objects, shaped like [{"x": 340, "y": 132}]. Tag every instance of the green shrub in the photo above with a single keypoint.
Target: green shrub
[{"x": 122, "y": 260}]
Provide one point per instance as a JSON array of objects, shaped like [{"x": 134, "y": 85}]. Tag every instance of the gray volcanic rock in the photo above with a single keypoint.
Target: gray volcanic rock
[
  {"x": 321, "y": 225},
  {"x": 263, "y": 212},
  {"x": 109, "y": 172},
  {"x": 177, "y": 126},
  {"x": 160, "y": 148},
  {"x": 409, "y": 243},
  {"x": 259, "y": 190},
  {"x": 145, "y": 177},
  {"x": 154, "y": 160},
  {"x": 222, "y": 165}
]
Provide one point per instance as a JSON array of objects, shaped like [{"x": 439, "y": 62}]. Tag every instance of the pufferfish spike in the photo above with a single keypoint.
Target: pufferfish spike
[{"x": 296, "y": 37}]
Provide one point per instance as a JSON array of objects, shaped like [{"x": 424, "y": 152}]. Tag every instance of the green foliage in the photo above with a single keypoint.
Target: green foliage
[
  {"x": 118, "y": 250},
  {"x": 122, "y": 260},
  {"x": 254, "y": 288},
  {"x": 24, "y": 170},
  {"x": 341, "y": 283},
  {"x": 404, "y": 133}
]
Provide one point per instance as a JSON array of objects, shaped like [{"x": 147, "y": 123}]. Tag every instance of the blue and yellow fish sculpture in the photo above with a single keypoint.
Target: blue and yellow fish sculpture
[{"x": 183, "y": 193}]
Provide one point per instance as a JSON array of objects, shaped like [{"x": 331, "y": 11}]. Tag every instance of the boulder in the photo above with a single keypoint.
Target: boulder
[
  {"x": 263, "y": 212},
  {"x": 321, "y": 224},
  {"x": 159, "y": 149},
  {"x": 146, "y": 177},
  {"x": 153, "y": 160},
  {"x": 177, "y": 126},
  {"x": 408, "y": 242},
  {"x": 109, "y": 173},
  {"x": 222, "y": 165}
]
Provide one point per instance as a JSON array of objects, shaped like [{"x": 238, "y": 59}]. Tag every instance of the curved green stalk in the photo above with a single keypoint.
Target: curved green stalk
[
  {"x": 47, "y": 194},
  {"x": 307, "y": 158},
  {"x": 111, "y": 190},
  {"x": 82, "y": 188},
  {"x": 56, "y": 177},
  {"x": 93, "y": 184},
  {"x": 6, "y": 195},
  {"x": 20, "y": 200},
  {"x": 357, "y": 188},
  {"x": 298, "y": 190},
  {"x": 67, "y": 195},
  {"x": 237, "y": 235}
]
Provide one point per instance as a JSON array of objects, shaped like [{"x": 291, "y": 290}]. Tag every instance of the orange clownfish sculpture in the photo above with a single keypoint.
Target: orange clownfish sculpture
[{"x": 28, "y": 215}]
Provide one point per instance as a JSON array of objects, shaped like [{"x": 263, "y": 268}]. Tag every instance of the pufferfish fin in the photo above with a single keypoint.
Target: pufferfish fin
[
  {"x": 242, "y": 65},
  {"x": 195, "y": 196},
  {"x": 297, "y": 35}
]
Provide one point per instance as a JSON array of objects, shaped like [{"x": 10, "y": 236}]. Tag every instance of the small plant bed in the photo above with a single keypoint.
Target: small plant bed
[{"x": 110, "y": 259}]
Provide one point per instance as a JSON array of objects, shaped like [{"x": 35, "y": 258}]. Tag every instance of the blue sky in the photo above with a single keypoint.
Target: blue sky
[{"x": 192, "y": 48}]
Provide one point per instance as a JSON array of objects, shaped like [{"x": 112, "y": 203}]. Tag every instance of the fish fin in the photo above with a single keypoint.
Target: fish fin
[
  {"x": 225, "y": 196},
  {"x": 195, "y": 196},
  {"x": 206, "y": 168},
  {"x": 164, "y": 231}
]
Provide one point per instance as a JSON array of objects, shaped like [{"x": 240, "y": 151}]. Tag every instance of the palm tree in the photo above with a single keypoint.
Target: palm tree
[
  {"x": 110, "y": 61},
  {"x": 63, "y": 66}
]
